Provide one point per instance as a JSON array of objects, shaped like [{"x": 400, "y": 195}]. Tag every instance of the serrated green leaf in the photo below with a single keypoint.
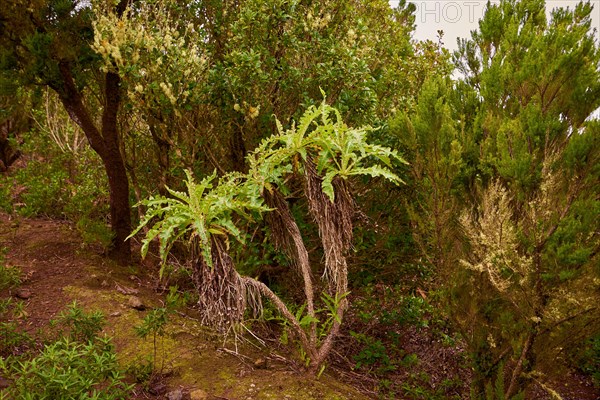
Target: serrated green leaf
[
  {"x": 378, "y": 171},
  {"x": 327, "y": 185},
  {"x": 307, "y": 320}
]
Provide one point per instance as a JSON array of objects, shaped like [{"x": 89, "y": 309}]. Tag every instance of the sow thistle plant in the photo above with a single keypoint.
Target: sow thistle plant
[
  {"x": 321, "y": 153},
  {"x": 204, "y": 217}
]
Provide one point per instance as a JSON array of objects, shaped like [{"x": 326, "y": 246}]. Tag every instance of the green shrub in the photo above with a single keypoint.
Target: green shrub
[
  {"x": 9, "y": 276},
  {"x": 90, "y": 198},
  {"x": 94, "y": 231},
  {"x": 67, "y": 187},
  {"x": 11, "y": 338},
  {"x": 68, "y": 370},
  {"x": 6, "y": 203},
  {"x": 390, "y": 306},
  {"x": 78, "y": 365},
  {"x": 373, "y": 354},
  {"x": 13, "y": 308},
  {"x": 156, "y": 320},
  {"x": 589, "y": 361},
  {"x": 141, "y": 369},
  {"x": 61, "y": 184},
  {"x": 82, "y": 326},
  {"x": 46, "y": 189},
  {"x": 4, "y": 306}
]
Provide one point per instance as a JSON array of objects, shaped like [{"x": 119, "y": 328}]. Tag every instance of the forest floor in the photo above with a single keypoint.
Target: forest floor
[{"x": 59, "y": 269}]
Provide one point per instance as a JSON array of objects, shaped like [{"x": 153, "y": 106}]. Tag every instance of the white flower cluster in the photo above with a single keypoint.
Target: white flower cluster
[
  {"x": 155, "y": 56},
  {"x": 109, "y": 36},
  {"x": 249, "y": 111}
]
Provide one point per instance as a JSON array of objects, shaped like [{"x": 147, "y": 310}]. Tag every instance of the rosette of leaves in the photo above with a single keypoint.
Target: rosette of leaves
[
  {"x": 204, "y": 217},
  {"x": 324, "y": 153}
]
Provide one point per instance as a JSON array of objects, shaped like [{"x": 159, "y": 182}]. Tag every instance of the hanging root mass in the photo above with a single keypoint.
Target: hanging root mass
[{"x": 223, "y": 295}]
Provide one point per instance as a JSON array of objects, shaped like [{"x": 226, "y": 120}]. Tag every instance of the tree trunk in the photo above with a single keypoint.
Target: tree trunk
[
  {"x": 106, "y": 145},
  {"x": 8, "y": 154},
  {"x": 238, "y": 150},
  {"x": 514, "y": 386},
  {"x": 163, "y": 147},
  {"x": 120, "y": 210}
]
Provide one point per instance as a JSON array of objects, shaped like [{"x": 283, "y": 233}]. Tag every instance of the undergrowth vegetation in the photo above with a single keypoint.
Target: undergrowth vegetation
[
  {"x": 59, "y": 178},
  {"x": 68, "y": 369},
  {"x": 75, "y": 362}
]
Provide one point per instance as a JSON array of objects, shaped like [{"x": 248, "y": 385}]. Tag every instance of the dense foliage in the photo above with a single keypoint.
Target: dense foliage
[
  {"x": 76, "y": 364},
  {"x": 490, "y": 245}
]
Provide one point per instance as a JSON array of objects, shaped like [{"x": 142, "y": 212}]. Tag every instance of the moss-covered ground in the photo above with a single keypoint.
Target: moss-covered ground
[{"x": 189, "y": 356}]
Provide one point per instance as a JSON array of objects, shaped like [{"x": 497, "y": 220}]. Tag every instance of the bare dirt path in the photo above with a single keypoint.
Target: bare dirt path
[{"x": 44, "y": 251}]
